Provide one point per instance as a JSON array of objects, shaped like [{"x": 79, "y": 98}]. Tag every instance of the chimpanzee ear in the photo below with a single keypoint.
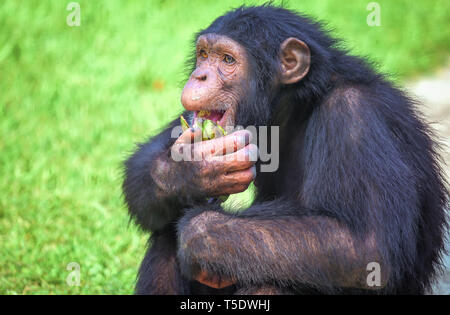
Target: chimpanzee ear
[{"x": 295, "y": 60}]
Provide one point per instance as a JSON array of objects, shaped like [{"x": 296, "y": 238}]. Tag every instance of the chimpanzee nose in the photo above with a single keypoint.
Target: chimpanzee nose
[{"x": 201, "y": 74}]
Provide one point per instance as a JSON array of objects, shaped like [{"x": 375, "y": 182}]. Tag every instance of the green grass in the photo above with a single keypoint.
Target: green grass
[{"x": 73, "y": 101}]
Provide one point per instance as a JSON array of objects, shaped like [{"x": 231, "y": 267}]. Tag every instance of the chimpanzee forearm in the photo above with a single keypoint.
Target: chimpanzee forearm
[
  {"x": 150, "y": 193},
  {"x": 255, "y": 247}
]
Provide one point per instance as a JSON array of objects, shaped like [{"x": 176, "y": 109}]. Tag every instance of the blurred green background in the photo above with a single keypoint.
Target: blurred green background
[{"x": 75, "y": 100}]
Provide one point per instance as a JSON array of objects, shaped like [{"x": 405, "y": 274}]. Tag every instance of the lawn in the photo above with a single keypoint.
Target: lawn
[{"x": 75, "y": 100}]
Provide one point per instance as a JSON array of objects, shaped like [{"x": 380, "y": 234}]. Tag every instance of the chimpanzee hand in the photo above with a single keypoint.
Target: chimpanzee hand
[
  {"x": 213, "y": 281},
  {"x": 221, "y": 166}
]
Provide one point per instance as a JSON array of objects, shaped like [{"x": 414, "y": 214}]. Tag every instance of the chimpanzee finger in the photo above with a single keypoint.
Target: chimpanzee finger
[
  {"x": 214, "y": 281},
  {"x": 235, "y": 189},
  {"x": 243, "y": 177},
  {"x": 240, "y": 160},
  {"x": 190, "y": 135},
  {"x": 234, "y": 182},
  {"x": 223, "y": 145}
]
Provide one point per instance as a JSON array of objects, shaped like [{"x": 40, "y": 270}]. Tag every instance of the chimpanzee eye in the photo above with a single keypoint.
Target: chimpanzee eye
[
  {"x": 203, "y": 54},
  {"x": 228, "y": 59}
]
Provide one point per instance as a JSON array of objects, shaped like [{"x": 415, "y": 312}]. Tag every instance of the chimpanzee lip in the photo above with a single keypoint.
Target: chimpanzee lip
[{"x": 214, "y": 115}]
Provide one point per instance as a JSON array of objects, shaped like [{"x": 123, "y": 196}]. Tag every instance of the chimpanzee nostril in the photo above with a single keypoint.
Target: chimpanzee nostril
[{"x": 200, "y": 74}]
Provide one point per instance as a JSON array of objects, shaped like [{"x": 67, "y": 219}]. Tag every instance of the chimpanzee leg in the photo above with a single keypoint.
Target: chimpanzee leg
[{"x": 159, "y": 272}]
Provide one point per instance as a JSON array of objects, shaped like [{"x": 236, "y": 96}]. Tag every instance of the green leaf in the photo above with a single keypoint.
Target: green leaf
[{"x": 184, "y": 123}]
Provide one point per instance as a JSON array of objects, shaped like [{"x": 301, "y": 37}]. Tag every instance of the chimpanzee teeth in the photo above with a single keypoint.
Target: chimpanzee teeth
[
  {"x": 214, "y": 115},
  {"x": 204, "y": 113}
]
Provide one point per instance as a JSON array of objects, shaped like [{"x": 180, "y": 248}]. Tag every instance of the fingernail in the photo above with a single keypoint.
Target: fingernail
[
  {"x": 242, "y": 140},
  {"x": 253, "y": 169}
]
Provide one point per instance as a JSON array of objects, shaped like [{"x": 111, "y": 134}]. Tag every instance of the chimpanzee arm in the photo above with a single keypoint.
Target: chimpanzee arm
[
  {"x": 151, "y": 204},
  {"x": 165, "y": 176},
  {"x": 286, "y": 250},
  {"x": 365, "y": 206}
]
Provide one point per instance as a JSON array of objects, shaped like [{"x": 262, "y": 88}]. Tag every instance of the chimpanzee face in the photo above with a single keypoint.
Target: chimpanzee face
[
  {"x": 217, "y": 84},
  {"x": 221, "y": 81}
]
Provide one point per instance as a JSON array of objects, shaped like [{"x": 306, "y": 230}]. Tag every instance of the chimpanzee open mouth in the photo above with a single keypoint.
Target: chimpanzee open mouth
[{"x": 217, "y": 116}]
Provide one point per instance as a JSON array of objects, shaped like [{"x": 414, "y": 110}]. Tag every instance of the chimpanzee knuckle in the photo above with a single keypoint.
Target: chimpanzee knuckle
[
  {"x": 234, "y": 146},
  {"x": 219, "y": 146},
  {"x": 239, "y": 140},
  {"x": 226, "y": 145},
  {"x": 210, "y": 148},
  {"x": 207, "y": 153},
  {"x": 222, "y": 146}
]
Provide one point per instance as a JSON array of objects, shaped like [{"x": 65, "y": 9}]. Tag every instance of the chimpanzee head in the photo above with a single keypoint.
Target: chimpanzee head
[{"x": 249, "y": 58}]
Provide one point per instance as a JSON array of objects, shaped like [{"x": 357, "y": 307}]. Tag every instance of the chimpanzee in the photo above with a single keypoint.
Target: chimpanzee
[{"x": 358, "y": 188}]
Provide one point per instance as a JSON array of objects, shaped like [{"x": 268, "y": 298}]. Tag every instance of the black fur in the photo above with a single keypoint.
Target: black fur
[{"x": 358, "y": 166}]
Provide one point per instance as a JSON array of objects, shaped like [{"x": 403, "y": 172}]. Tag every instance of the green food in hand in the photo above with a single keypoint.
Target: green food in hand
[
  {"x": 210, "y": 130},
  {"x": 184, "y": 123}
]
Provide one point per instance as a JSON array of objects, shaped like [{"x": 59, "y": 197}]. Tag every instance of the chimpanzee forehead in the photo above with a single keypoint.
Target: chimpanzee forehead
[{"x": 219, "y": 43}]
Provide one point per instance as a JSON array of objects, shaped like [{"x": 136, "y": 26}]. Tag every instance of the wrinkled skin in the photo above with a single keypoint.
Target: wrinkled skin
[{"x": 218, "y": 80}]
